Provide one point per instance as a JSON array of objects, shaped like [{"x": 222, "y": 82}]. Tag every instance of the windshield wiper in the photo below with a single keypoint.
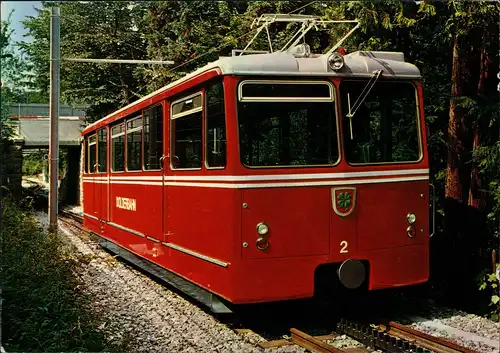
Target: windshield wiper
[{"x": 361, "y": 98}]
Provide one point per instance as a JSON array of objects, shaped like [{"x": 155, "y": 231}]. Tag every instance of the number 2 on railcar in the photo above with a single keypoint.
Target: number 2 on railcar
[{"x": 257, "y": 176}]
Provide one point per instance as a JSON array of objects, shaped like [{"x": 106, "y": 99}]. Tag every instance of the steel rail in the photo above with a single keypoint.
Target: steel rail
[
  {"x": 393, "y": 337},
  {"x": 423, "y": 339},
  {"x": 311, "y": 343},
  {"x": 72, "y": 215}
]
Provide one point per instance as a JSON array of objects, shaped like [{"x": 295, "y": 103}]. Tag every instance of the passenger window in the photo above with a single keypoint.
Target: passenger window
[
  {"x": 117, "y": 148},
  {"x": 153, "y": 137},
  {"x": 134, "y": 144},
  {"x": 186, "y": 133},
  {"x": 92, "y": 153},
  {"x": 101, "y": 150},
  {"x": 216, "y": 126}
]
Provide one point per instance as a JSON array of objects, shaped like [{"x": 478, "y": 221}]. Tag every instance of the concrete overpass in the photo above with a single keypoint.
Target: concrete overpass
[
  {"x": 32, "y": 125},
  {"x": 32, "y": 130}
]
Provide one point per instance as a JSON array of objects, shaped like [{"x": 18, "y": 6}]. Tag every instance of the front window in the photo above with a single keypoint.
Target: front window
[
  {"x": 384, "y": 129},
  {"x": 286, "y": 123}
]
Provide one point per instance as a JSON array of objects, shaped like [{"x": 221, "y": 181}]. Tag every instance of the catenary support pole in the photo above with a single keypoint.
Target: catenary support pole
[{"x": 54, "y": 115}]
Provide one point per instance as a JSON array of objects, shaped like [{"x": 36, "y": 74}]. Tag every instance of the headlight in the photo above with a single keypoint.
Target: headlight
[
  {"x": 336, "y": 61},
  {"x": 262, "y": 228},
  {"x": 411, "y": 218}
]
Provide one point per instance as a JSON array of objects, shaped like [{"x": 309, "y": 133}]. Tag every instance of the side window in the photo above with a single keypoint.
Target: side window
[
  {"x": 186, "y": 132},
  {"x": 216, "y": 126},
  {"x": 153, "y": 137},
  {"x": 134, "y": 144},
  {"x": 86, "y": 154},
  {"x": 101, "y": 150},
  {"x": 92, "y": 153},
  {"x": 117, "y": 148}
]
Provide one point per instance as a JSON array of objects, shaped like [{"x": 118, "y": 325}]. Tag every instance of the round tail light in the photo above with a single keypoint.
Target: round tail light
[
  {"x": 411, "y": 232},
  {"x": 262, "y": 244}
]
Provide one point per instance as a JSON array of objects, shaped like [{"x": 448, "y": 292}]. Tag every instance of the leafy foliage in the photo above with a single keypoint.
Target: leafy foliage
[
  {"x": 9, "y": 63},
  {"x": 91, "y": 30},
  {"x": 490, "y": 284},
  {"x": 33, "y": 163},
  {"x": 44, "y": 308}
]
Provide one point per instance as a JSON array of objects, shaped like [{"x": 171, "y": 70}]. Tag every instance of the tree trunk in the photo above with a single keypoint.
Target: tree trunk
[
  {"x": 456, "y": 129},
  {"x": 453, "y": 243},
  {"x": 475, "y": 198}
]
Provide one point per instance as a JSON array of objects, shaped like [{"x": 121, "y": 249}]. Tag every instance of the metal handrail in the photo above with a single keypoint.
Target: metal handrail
[{"x": 433, "y": 210}]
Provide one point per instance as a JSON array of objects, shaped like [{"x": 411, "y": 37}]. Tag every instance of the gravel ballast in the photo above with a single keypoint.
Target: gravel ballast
[
  {"x": 150, "y": 317},
  {"x": 468, "y": 330}
]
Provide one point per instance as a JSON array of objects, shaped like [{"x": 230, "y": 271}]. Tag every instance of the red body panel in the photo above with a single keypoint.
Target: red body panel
[
  {"x": 298, "y": 220},
  {"x": 203, "y": 212}
]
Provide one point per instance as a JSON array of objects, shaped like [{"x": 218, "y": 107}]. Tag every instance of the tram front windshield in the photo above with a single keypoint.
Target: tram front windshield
[
  {"x": 385, "y": 127},
  {"x": 284, "y": 124}
]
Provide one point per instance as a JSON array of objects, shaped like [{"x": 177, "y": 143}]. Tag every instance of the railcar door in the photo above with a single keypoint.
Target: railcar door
[
  {"x": 383, "y": 132},
  {"x": 91, "y": 195},
  {"x": 101, "y": 182},
  {"x": 153, "y": 164}
]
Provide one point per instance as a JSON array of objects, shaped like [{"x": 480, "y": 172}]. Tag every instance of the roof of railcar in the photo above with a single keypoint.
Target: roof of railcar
[{"x": 357, "y": 64}]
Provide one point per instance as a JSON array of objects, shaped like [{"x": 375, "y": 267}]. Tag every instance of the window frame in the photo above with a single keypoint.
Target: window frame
[
  {"x": 331, "y": 87},
  {"x": 105, "y": 128},
  {"x": 417, "y": 117},
  {"x": 161, "y": 105},
  {"x": 112, "y": 151},
  {"x": 336, "y": 113},
  {"x": 173, "y": 117},
  {"x": 141, "y": 118},
  {"x": 205, "y": 122},
  {"x": 94, "y": 134},
  {"x": 86, "y": 155}
]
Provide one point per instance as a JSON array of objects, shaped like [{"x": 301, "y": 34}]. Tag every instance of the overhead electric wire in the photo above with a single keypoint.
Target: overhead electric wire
[
  {"x": 300, "y": 8},
  {"x": 210, "y": 51},
  {"x": 224, "y": 45}
]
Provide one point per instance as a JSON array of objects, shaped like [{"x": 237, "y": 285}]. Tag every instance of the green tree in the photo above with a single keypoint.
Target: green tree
[
  {"x": 91, "y": 30},
  {"x": 10, "y": 89}
]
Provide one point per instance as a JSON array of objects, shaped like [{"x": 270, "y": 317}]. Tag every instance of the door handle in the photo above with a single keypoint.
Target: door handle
[{"x": 162, "y": 158}]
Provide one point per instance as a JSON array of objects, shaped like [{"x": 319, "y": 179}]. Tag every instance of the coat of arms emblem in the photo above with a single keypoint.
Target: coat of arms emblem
[{"x": 344, "y": 200}]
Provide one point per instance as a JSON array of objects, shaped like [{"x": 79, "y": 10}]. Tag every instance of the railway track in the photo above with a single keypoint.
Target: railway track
[
  {"x": 389, "y": 337},
  {"x": 386, "y": 337}
]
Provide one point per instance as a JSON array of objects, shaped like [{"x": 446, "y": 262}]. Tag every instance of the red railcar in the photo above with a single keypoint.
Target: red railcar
[{"x": 258, "y": 176}]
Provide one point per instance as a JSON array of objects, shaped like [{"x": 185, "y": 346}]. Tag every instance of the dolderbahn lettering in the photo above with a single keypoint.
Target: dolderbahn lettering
[{"x": 125, "y": 203}]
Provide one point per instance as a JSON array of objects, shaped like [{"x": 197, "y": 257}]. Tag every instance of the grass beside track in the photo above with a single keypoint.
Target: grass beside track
[{"x": 43, "y": 307}]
